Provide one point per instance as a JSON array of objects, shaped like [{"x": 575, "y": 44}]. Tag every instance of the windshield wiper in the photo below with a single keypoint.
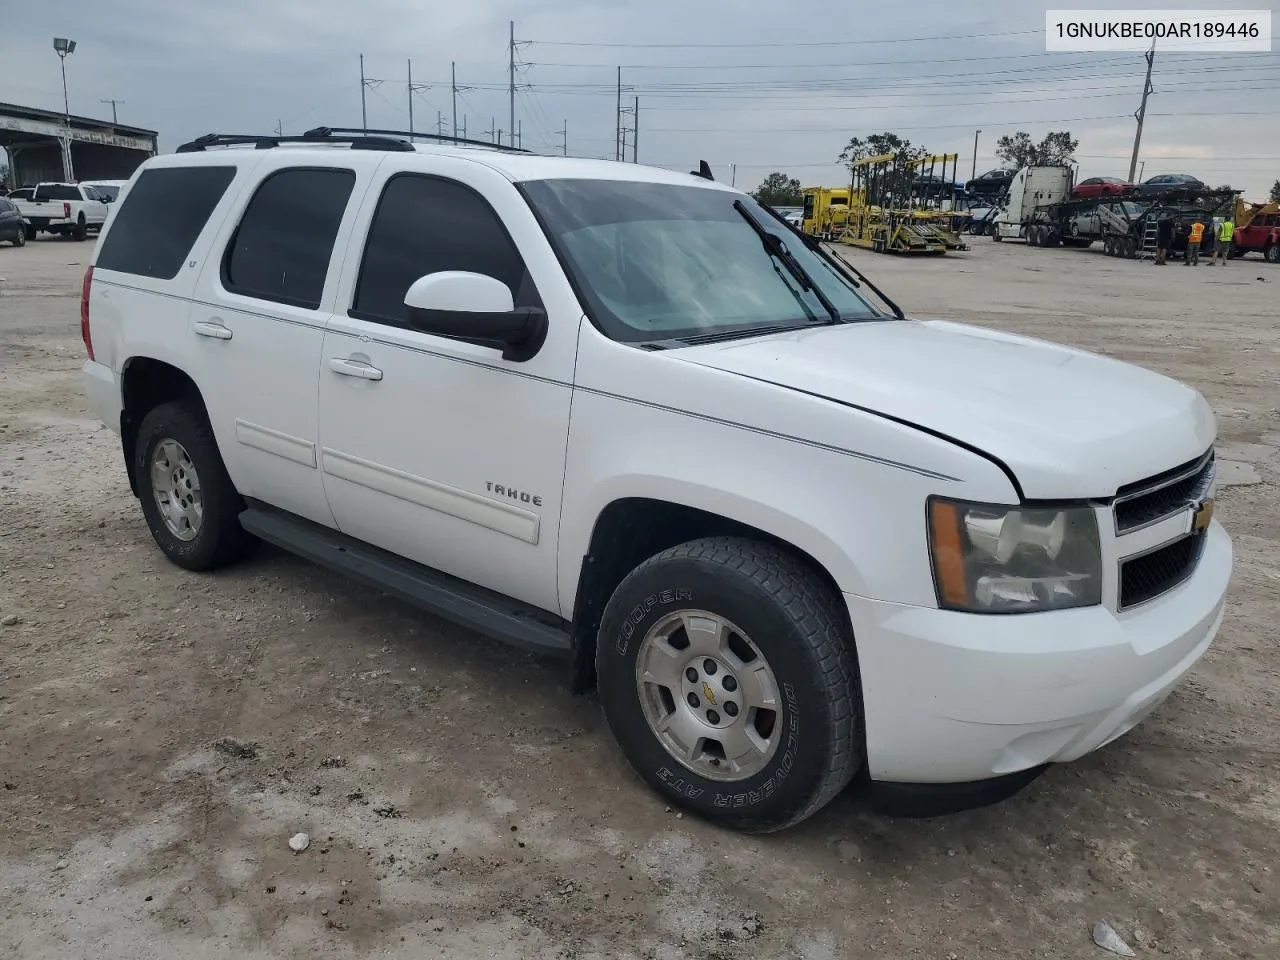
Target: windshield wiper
[
  {"x": 778, "y": 250},
  {"x": 851, "y": 273}
]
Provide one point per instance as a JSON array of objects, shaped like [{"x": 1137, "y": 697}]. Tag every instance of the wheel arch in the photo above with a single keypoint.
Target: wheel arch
[
  {"x": 629, "y": 530},
  {"x": 145, "y": 383}
]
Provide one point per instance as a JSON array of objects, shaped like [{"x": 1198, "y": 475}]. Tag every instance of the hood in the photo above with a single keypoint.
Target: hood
[{"x": 1068, "y": 424}]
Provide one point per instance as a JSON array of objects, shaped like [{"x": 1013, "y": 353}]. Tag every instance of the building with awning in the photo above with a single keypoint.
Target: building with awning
[{"x": 46, "y": 145}]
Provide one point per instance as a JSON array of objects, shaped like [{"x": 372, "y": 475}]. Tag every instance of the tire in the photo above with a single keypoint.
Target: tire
[
  {"x": 20, "y": 238},
  {"x": 1272, "y": 254},
  {"x": 207, "y": 534},
  {"x": 79, "y": 231},
  {"x": 773, "y": 612},
  {"x": 995, "y": 233},
  {"x": 1108, "y": 246}
]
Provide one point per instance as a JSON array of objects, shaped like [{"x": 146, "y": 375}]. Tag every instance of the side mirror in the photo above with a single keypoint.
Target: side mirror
[{"x": 475, "y": 308}]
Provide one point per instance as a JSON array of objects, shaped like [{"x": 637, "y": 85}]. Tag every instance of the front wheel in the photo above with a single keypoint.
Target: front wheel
[
  {"x": 20, "y": 238},
  {"x": 728, "y": 677},
  {"x": 80, "y": 230},
  {"x": 189, "y": 501}
]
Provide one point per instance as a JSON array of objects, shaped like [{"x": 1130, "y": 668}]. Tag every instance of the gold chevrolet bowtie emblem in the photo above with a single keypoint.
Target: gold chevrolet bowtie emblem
[
  {"x": 708, "y": 693},
  {"x": 1204, "y": 513}
]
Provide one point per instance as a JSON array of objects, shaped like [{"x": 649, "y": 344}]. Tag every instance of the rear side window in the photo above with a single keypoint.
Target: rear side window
[
  {"x": 281, "y": 250},
  {"x": 425, "y": 225},
  {"x": 158, "y": 222}
]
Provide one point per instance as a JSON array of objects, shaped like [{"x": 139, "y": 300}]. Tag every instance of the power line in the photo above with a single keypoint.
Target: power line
[
  {"x": 793, "y": 43},
  {"x": 1237, "y": 57},
  {"x": 860, "y": 101},
  {"x": 970, "y": 123}
]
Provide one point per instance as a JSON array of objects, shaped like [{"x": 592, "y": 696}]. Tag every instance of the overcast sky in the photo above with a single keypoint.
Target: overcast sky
[{"x": 765, "y": 86}]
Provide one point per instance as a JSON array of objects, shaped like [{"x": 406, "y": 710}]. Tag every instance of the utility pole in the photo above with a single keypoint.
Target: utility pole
[
  {"x": 493, "y": 124},
  {"x": 453, "y": 83},
  {"x": 414, "y": 88},
  {"x": 975, "y": 154},
  {"x": 364, "y": 113},
  {"x": 635, "y": 129},
  {"x": 733, "y": 174},
  {"x": 519, "y": 141},
  {"x": 1141, "y": 115},
  {"x": 113, "y": 109},
  {"x": 279, "y": 128},
  {"x": 617, "y": 146},
  {"x": 564, "y": 132},
  {"x": 511, "y": 77},
  {"x": 439, "y": 124},
  {"x": 464, "y": 126}
]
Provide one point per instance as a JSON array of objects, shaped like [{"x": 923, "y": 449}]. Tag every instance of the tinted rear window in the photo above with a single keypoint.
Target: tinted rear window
[
  {"x": 281, "y": 250},
  {"x": 160, "y": 219},
  {"x": 58, "y": 191}
]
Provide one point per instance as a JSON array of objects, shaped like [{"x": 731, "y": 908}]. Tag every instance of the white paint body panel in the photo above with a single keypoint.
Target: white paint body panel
[
  {"x": 1068, "y": 423},
  {"x": 450, "y": 423},
  {"x": 830, "y": 439}
]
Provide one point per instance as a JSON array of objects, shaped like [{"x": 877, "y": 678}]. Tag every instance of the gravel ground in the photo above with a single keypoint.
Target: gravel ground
[{"x": 164, "y": 734}]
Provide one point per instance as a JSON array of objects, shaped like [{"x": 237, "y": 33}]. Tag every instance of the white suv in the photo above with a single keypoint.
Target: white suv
[{"x": 628, "y": 417}]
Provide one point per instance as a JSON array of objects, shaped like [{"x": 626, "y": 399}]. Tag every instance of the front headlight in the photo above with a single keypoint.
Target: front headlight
[{"x": 989, "y": 558}]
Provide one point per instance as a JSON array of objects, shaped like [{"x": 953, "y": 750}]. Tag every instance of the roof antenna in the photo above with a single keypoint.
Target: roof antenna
[{"x": 703, "y": 171}]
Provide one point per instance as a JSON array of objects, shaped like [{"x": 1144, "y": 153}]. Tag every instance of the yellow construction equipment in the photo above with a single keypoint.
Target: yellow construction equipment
[
  {"x": 891, "y": 213},
  {"x": 826, "y": 211}
]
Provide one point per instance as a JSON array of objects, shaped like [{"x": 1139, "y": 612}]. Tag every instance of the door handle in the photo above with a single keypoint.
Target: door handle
[
  {"x": 354, "y": 368},
  {"x": 206, "y": 328}
]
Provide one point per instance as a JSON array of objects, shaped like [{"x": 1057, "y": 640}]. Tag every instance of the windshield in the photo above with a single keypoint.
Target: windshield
[{"x": 659, "y": 261}]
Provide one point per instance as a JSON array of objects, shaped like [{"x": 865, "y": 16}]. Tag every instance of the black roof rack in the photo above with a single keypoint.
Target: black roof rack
[
  {"x": 356, "y": 138},
  {"x": 438, "y": 137}
]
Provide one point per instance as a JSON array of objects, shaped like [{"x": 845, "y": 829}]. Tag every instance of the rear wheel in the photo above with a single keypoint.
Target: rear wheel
[
  {"x": 20, "y": 238},
  {"x": 728, "y": 677},
  {"x": 190, "y": 504},
  {"x": 79, "y": 231},
  {"x": 1272, "y": 253}
]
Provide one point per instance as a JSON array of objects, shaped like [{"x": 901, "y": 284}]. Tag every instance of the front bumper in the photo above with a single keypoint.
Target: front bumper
[{"x": 954, "y": 697}]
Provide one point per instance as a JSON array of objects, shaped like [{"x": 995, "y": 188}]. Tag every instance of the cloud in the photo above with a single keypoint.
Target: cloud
[{"x": 243, "y": 65}]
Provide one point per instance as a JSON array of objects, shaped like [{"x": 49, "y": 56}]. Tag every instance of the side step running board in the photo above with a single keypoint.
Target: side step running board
[{"x": 466, "y": 604}]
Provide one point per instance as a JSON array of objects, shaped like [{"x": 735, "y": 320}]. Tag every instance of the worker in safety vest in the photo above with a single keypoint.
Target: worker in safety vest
[
  {"x": 1226, "y": 233},
  {"x": 1194, "y": 235}
]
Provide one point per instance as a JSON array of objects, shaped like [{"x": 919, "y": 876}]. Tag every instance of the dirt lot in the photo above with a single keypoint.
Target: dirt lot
[{"x": 461, "y": 804}]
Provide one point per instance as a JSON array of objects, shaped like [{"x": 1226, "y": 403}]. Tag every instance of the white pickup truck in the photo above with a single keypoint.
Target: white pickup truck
[
  {"x": 631, "y": 418},
  {"x": 65, "y": 208}
]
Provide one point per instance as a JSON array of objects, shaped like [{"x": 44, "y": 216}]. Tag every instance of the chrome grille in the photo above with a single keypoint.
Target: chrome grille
[
  {"x": 1149, "y": 501},
  {"x": 1148, "y": 575}
]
